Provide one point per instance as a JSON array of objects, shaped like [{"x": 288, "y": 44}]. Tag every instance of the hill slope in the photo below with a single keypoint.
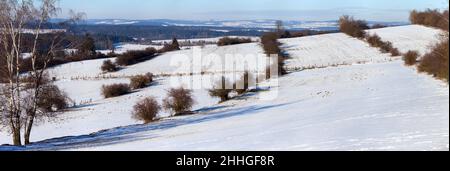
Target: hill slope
[{"x": 376, "y": 105}]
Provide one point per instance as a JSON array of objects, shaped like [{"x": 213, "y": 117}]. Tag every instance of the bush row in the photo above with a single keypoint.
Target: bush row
[
  {"x": 353, "y": 27},
  {"x": 436, "y": 62},
  {"x": 385, "y": 46},
  {"x": 178, "y": 101},
  {"x": 135, "y": 56},
  {"x": 232, "y": 41},
  {"x": 429, "y": 17},
  {"x": 271, "y": 46},
  {"x": 223, "y": 87},
  {"x": 136, "y": 82}
]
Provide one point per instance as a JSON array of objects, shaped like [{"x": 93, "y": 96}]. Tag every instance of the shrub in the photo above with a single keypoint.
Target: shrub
[
  {"x": 436, "y": 62},
  {"x": 52, "y": 99},
  {"x": 115, "y": 90},
  {"x": 149, "y": 76},
  {"x": 146, "y": 110},
  {"x": 170, "y": 47},
  {"x": 244, "y": 83},
  {"x": 385, "y": 47},
  {"x": 87, "y": 46},
  {"x": 109, "y": 66},
  {"x": 270, "y": 44},
  {"x": 82, "y": 56},
  {"x": 410, "y": 58},
  {"x": 232, "y": 41},
  {"x": 221, "y": 90},
  {"x": 136, "y": 56},
  {"x": 353, "y": 27},
  {"x": 271, "y": 47},
  {"x": 140, "y": 81},
  {"x": 394, "y": 52},
  {"x": 429, "y": 17},
  {"x": 374, "y": 40},
  {"x": 178, "y": 101}
]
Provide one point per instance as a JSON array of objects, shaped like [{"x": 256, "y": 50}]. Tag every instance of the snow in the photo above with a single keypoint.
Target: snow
[
  {"x": 366, "y": 101},
  {"x": 214, "y": 39},
  {"x": 94, "y": 113},
  {"x": 78, "y": 70},
  {"x": 167, "y": 63},
  {"x": 117, "y": 22},
  {"x": 338, "y": 108},
  {"x": 124, "y": 47},
  {"x": 341, "y": 49},
  {"x": 411, "y": 37},
  {"x": 163, "y": 64},
  {"x": 219, "y": 30},
  {"x": 329, "y": 50},
  {"x": 43, "y": 31},
  {"x": 353, "y": 108}
]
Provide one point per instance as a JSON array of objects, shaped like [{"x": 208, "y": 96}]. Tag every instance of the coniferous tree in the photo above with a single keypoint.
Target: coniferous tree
[
  {"x": 175, "y": 44},
  {"x": 87, "y": 47}
]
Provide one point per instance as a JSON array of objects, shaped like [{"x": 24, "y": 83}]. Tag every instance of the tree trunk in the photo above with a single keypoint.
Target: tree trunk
[
  {"x": 16, "y": 137},
  {"x": 28, "y": 131}
]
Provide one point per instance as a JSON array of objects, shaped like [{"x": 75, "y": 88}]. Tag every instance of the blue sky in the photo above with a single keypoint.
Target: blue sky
[{"x": 380, "y": 10}]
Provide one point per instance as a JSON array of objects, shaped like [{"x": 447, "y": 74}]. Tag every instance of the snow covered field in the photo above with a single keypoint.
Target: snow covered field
[
  {"x": 178, "y": 62},
  {"x": 124, "y": 47},
  {"x": 412, "y": 37},
  {"x": 341, "y": 49},
  {"x": 215, "y": 39},
  {"x": 329, "y": 50},
  {"x": 181, "y": 62},
  {"x": 372, "y": 102}
]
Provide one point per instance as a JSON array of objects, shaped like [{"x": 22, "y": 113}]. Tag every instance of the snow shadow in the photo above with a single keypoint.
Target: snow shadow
[{"x": 140, "y": 132}]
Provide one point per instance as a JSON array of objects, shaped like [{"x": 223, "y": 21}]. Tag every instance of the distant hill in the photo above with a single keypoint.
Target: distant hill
[{"x": 260, "y": 24}]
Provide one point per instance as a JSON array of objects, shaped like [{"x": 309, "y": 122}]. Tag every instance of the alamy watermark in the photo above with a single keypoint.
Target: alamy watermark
[{"x": 198, "y": 71}]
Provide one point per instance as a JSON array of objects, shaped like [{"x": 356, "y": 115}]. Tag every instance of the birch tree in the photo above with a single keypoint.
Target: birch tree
[{"x": 22, "y": 92}]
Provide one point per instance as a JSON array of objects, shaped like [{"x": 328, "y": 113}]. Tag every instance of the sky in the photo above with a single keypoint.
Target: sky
[{"x": 312, "y": 10}]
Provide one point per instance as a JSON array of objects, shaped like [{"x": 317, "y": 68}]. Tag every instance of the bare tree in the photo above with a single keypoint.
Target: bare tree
[
  {"x": 279, "y": 26},
  {"x": 23, "y": 92}
]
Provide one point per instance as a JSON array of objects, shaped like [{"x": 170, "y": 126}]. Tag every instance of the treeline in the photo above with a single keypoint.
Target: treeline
[
  {"x": 232, "y": 41},
  {"x": 353, "y": 27},
  {"x": 83, "y": 48},
  {"x": 433, "y": 18},
  {"x": 136, "y": 56},
  {"x": 271, "y": 46},
  {"x": 162, "y": 33},
  {"x": 357, "y": 28},
  {"x": 436, "y": 62},
  {"x": 106, "y": 42}
]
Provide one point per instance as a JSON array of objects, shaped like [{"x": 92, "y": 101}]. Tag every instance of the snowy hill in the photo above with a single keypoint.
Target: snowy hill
[
  {"x": 412, "y": 37},
  {"x": 372, "y": 102}
]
